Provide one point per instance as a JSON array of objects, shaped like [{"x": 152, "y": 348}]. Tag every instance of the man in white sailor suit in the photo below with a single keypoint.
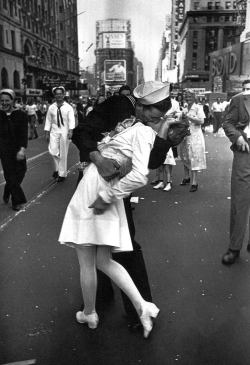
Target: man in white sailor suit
[{"x": 59, "y": 125}]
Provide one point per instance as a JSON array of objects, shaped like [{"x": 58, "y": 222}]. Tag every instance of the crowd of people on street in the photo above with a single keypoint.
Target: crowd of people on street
[{"x": 120, "y": 138}]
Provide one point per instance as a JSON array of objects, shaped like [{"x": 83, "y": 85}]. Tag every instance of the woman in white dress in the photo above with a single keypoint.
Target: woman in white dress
[
  {"x": 192, "y": 148},
  {"x": 95, "y": 222}
]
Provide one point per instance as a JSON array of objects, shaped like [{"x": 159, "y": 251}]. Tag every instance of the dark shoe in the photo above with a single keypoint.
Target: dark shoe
[
  {"x": 155, "y": 182},
  {"x": 135, "y": 326},
  {"x": 193, "y": 188},
  {"x": 185, "y": 181},
  {"x": 61, "y": 178},
  {"x": 230, "y": 257},
  {"x": 17, "y": 207},
  {"x": 248, "y": 247},
  {"x": 55, "y": 174},
  {"x": 6, "y": 199}
]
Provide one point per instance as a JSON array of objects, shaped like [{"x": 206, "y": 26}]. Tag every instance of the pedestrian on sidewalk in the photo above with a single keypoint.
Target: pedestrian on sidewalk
[
  {"x": 217, "y": 110},
  {"x": 13, "y": 142},
  {"x": 192, "y": 148},
  {"x": 59, "y": 125},
  {"x": 163, "y": 176},
  {"x": 237, "y": 128},
  {"x": 31, "y": 110}
]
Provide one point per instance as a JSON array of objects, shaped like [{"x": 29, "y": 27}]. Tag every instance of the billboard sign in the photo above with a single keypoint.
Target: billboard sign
[
  {"x": 114, "y": 40},
  {"x": 115, "y": 70}
]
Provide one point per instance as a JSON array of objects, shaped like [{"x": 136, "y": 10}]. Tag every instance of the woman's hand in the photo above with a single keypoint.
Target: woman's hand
[
  {"x": 20, "y": 154},
  {"x": 99, "y": 206},
  {"x": 167, "y": 121},
  {"x": 70, "y": 133}
]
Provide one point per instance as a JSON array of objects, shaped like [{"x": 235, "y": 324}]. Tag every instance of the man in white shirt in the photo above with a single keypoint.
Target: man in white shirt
[
  {"x": 217, "y": 110},
  {"x": 31, "y": 110},
  {"x": 59, "y": 125}
]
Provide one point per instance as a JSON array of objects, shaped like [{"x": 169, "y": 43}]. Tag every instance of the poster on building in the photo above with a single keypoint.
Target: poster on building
[
  {"x": 114, "y": 40},
  {"x": 114, "y": 70}
]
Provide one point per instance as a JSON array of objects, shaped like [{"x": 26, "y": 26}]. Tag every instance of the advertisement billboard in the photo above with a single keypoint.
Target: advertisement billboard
[
  {"x": 115, "y": 70},
  {"x": 114, "y": 40}
]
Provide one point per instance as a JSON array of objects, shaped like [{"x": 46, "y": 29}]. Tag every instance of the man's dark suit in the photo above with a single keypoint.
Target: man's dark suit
[
  {"x": 13, "y": 136},
  {"x": 103, "y": 119},
  {"x": 236, "y": 119}
]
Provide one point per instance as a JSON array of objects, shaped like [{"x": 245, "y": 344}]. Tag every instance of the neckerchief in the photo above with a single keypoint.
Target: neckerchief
[{"x": 59, "y": 116}]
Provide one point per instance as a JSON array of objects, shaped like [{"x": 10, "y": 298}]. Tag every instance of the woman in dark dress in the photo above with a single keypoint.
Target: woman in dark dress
[{"x": 13, "y": 142}]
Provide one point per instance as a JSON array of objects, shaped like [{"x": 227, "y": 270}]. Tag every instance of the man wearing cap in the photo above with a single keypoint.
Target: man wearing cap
[
  {"x": 13, "y": 143},
  {"x": 153, "y": 102},
  {"x": 59, "y": 125}
]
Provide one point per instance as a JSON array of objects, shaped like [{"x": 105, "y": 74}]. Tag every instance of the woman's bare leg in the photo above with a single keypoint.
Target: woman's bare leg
[
  {"x": 194, "y": 177},
  {"x": 87, "y": 261},
  {"x": 119, "y": 275}
]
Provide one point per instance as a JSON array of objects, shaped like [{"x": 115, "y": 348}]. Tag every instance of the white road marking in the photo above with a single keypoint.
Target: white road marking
[
  {"x": 32, "y": 158},
  {"x": 33, "y": 201},
  {"x": 25, "y": 362}
]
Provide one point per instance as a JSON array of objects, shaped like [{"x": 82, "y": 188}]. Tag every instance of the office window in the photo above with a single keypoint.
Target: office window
[
  {"x": 228, "y": 5},
  {"x": 5, "y": 4},
  {"x": 217, "y": 5},
  {"x": 13, "y": 40},
  {"x": 210, "y": 5},
  {"x": 11, "y": 9},
  {"x": 1, "y": 35},
  {"x": 7, "y": 36},
  {"x": 196, "y": 5},
  {"x": 16, "y": 80},
  {"x": 234, "y": 5}
]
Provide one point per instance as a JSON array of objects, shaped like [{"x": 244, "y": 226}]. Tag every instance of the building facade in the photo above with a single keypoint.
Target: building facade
[
  {"x": 38, "y": 45},
  {"x": 207, "y": 27},
  {"x": 115, "y": 64},
  {"x": 229, "y": 66}
]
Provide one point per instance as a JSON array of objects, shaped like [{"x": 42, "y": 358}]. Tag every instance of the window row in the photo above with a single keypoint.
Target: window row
[{"x": 5, "y": 82}]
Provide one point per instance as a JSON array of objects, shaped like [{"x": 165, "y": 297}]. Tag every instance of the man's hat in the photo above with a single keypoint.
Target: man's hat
[
  {"x": 151, "y": 92},
  {"x": 10, "y": 92},
  {"x": 58, "y": 88}
]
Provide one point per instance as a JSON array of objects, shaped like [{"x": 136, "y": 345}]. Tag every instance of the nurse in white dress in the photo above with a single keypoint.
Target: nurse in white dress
[{"x": 95, "y": 222}]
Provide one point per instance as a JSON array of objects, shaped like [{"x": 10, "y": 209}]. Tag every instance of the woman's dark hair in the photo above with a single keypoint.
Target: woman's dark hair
[
  {"x": 163, "y": 105},
  {"x": 124, "y": 87}
]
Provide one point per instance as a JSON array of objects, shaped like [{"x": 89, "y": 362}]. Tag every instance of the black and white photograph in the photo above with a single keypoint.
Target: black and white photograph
[{"x": 124, "y": 182}]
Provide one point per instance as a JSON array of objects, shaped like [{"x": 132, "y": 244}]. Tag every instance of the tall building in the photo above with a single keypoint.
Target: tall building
[
  {"x": 207, "y": 26},
  {"x": 229, "y": 66},
  {"x": 177, "y": 16},
  {"x": 114, "y": 54},
  {"x": 38, "y": 45}
]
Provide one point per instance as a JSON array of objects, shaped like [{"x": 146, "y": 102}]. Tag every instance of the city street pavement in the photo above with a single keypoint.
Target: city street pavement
[{"x": 205, "y": 306}]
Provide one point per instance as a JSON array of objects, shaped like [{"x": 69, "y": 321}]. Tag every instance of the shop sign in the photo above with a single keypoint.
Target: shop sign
[
  {"x": 218, "y": 84},
  {"x": 246, "y": 59},
  {"x": 34, "y": 92},
  {"x": 226, "y": 61},
  {"x": 115, "y": 70},
  {"x": 114, "y": 40},
  {"x": 197, "y": 90}
]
